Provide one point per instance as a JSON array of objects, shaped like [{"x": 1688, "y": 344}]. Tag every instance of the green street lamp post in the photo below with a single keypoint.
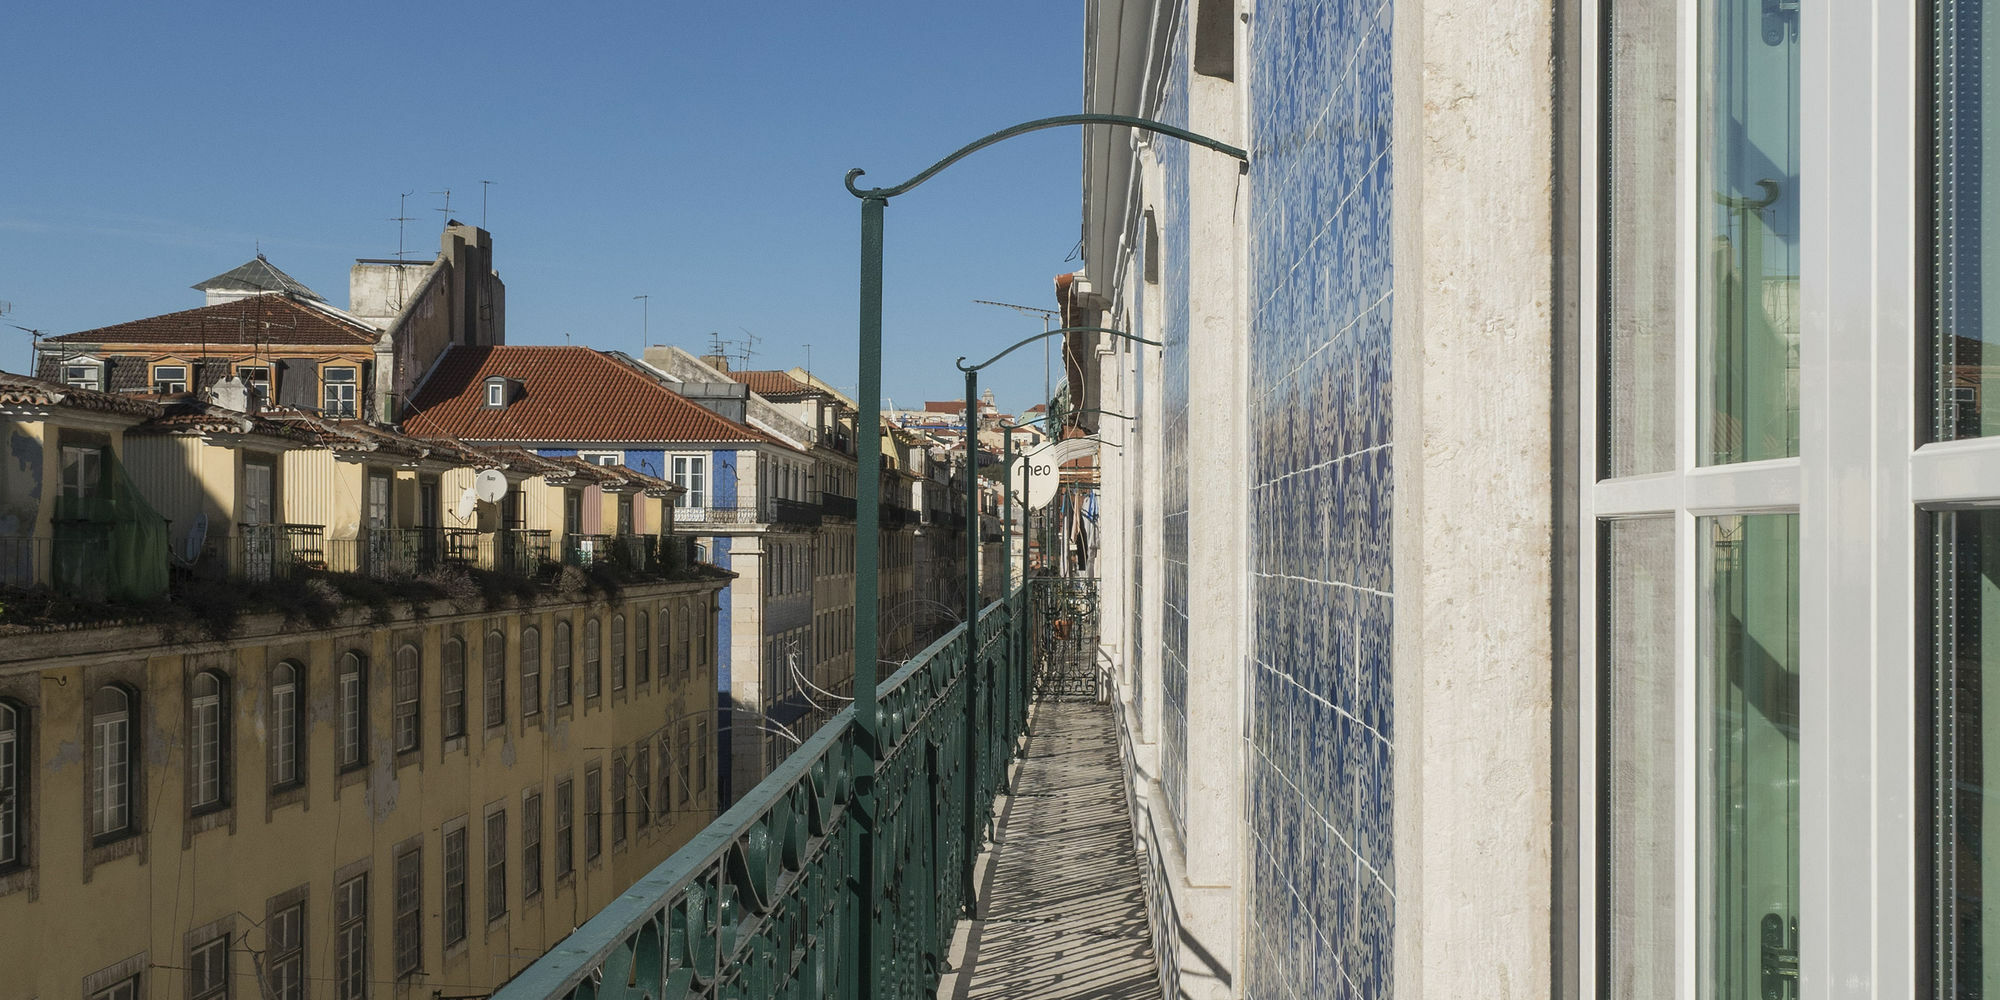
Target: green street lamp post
[{"x": 868, "y": 524}]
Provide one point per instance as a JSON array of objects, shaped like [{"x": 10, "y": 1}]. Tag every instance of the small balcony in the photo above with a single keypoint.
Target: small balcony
[
  {"x": 836, "y": 505},
  {"x": 773, "y": 512},
  {"x": 74, "y": 559},
  {"x": 1002, "y": 732},
  {"x": 260, "y": 553}
]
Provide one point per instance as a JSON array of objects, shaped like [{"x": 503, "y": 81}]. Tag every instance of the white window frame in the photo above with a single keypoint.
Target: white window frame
[
  {"x": 285, "y": 725},
  {"x": 111, "y": 767},
  {"x": 11, "y": 805},
  {"x": 82, "y": 374},
  {"x": 496, "y": 394},
  {"x": 690, "y": 472},
  {"x": 170, "y": 384},
  {"x": 1856, "y": 486},
  {"x": 340, "y": 397},
  {"x": 208, "y": 969},
  {"x": 262, "y": 383},
  {"x": 353, "y": 694},
  {"x": 350, "y": 938},
  {"x": 208, "y": 728},
  {"x": 602, "y": 458}
]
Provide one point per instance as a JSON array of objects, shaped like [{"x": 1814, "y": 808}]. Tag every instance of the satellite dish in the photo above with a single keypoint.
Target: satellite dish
[
  {"x": 490, "y": 486},
  {"x": 197, "y": 536},
  {"x": 467, "y": 503}
]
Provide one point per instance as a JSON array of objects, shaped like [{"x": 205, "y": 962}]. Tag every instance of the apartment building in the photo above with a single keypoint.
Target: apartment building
[{"x": 405, "y": 772}]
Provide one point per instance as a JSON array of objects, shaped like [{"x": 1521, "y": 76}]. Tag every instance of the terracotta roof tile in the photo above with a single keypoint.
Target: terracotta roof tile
[
  {"x": 22, "y": 390},
  {"x": 773, "y": 384},
  {"x": 569, "y": 395},
  {"x": 952, "y": 406},
  {"x": 258, "y": 319}
]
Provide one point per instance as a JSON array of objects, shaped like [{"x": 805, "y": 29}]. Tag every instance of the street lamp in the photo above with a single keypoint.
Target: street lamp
[{"x": 868, "y": 524}]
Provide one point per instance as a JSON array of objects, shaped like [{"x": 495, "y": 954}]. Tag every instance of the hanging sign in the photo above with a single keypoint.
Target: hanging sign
[{"x": 1042, "y": 470}]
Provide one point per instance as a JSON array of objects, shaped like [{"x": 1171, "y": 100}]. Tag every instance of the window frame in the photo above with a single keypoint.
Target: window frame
[
  {"x": 125, "y": 762},
  {"x": 453, "y": 708},
  {"x": 406, "y": 918},
  {"x": 453, "y": 913},
  {"x": 685, "y": 469},
  {"x": 531, "y": 681},
  {"x": 16, "y": 785},
  {"x": 531, "y": 845},
  {"x": 340, "y": 405},
  {"x": 208, "y": 969},
  {"x": 406, "y": 705},
  {"x": 493, "y": 678},
  {"x": 208, "y": 754},
  {"x": 287, "y": 729},
  {"x": 351, "y": 694},
  {"x": 171, "y": 385},
  {"x": 495, "y": 841},
  {"x": 350, "y": 937},
  {"x": 562, "y": 678}
]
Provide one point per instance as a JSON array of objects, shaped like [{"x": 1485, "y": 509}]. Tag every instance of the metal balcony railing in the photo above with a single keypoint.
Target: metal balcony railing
[
  {"x": 836, "y": 505},
  {"x": 790, "y": 513},
  {"x": 74, "y": 559},
  {"x": 517, "y": 552},
  {"x": 263, "y": 552},
  {"x": 797, "y": 512},
  {"x": 585, "y": 550},
  {"x": 770, "y": 899}
]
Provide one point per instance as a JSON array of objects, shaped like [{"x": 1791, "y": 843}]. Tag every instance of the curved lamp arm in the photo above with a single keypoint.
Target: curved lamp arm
[
  {"x": 1037, "y": 420},
  {"x": 962, "y": 366},
  {"x": 1143, "y": 124}
]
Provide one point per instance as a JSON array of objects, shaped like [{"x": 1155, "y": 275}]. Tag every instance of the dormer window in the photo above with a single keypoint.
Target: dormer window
[
  {"x": 170, "y": 379},
  {"x": 84, "y": 375},
  {"x": 501, "y": 391},
  {"x": 257, "y": 377},
  {"x": 341, "y": 388}
]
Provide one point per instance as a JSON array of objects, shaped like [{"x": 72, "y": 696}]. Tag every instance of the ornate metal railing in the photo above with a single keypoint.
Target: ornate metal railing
[
  {"x": 1063, "y": 618},
  {"x": 836, "y": 505},
  {"x": 773, "y": 898}
]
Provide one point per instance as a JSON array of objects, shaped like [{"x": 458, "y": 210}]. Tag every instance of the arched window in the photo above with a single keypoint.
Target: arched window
[
  {"x": 686, "y": 631},
  {"x": 559, "y": 684},
  {"x": 494, "y": 653},
  {"x": 353, "y": 710},
  {"x": 593, "y": 657},
  {"x": 285, "y": 728},
  {"x": 13, "y": 783},
  {"x": 208, "y": 740},
  {"x": 701, "y": 617},
  {"x": 642, "y": 649},
  {"x": 531, "y": 671},
  {"x": 409, "y": 698},
  {"x": 617, "y": 652},
  {"x": 452, "y": 686},
  {"x": 666, "y": 641},
  {"x": 111, "y": 714}
]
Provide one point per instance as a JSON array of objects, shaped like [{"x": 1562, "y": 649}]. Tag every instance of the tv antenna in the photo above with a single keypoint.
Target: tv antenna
[
  {"x": 749, "y": 342},
  {"x": 1048, "y": 391},
  {"x": 483, "y": 185},
  {"x": 645, "y": 322},
  {"x": 402, "y": 216},
  {"x": 447, "y": 203},
  {"x": 34, "y": 339}
]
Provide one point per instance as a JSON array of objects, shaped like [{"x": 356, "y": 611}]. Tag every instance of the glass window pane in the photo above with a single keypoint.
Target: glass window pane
[
  {"x": 1965, "y": 572},
  {"x": 1641, "y": 177},
  {"x": 1964, "y": 42},
  {"x": 1640, "y": 760},
  {"x": 1747, "y": 260},
  {"x": 1748, "y": 794}
]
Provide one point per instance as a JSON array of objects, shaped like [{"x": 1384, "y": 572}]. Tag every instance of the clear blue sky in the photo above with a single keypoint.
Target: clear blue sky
[{"x": 693, "y": 152}]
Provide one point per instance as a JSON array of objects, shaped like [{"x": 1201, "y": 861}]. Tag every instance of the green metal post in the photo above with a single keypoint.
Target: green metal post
[
  {"x": 860, "y": 961},
  {"x": 1007, "y": 580},
  {"x": 974, "y": 679}
]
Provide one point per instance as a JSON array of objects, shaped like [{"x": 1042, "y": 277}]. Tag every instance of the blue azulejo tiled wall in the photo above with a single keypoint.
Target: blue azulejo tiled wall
[
  {"x": 1322, "y": 896},
  {"x": 1173, "y": 216}
]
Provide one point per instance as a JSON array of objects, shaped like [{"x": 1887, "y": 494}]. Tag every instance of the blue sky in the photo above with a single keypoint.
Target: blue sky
[{"x": 693, "y": 153}]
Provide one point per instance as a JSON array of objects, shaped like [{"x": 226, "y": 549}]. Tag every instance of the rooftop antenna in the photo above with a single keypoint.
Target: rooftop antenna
[
  {"x": 483, "y": 185},
  {"x": 716, "y": 345},
  {"x": 749, "y": 343},
  {"x": 645, "y": 322},
  {"x": 1048, "y": 391},
  {"x": 447, "y": 203},
  {"x": 809, "y": 360},
  {"x": 402, "y": 216},
  {"x": 34, "y": 340}
]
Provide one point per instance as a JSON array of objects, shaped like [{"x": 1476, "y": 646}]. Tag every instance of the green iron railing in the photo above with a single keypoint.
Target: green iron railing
[{"x": 765, "y": 901}]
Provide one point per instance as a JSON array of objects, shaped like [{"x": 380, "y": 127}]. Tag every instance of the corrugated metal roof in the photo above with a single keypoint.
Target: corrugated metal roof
[{"x": 258, "y": 275}]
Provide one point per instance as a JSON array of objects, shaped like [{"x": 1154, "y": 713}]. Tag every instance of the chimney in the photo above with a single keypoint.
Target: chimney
[{"x": 719, "y": 362}]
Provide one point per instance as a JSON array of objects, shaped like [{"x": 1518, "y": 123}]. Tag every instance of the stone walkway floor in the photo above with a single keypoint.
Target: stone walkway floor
[{"x": 1062, "y": 912}]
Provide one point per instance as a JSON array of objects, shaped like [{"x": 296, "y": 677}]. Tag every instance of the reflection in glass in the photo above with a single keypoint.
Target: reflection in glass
[
  {"x": 1749, "y": 730},
  {"x": 1638, "y": 802},
  {"x": 1965, "y": 568},
  {"x": 1748, "y": 264},
  {"x": 1965, "y": 42},
  {"x": 1641, "y": 176}
]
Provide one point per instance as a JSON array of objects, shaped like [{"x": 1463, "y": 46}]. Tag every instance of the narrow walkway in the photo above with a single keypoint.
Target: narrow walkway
[{"x": 1062, "y": 910}]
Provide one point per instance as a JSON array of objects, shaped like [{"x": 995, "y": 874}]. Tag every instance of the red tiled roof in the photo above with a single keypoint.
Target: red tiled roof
[
  {"x": 571, "y": 394},
  {"x": 773, "y": 383},
  {"x": 950, "y": 406},
  {"x": 258, "y": 319},
  {"x": 23, "y": 390}
]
